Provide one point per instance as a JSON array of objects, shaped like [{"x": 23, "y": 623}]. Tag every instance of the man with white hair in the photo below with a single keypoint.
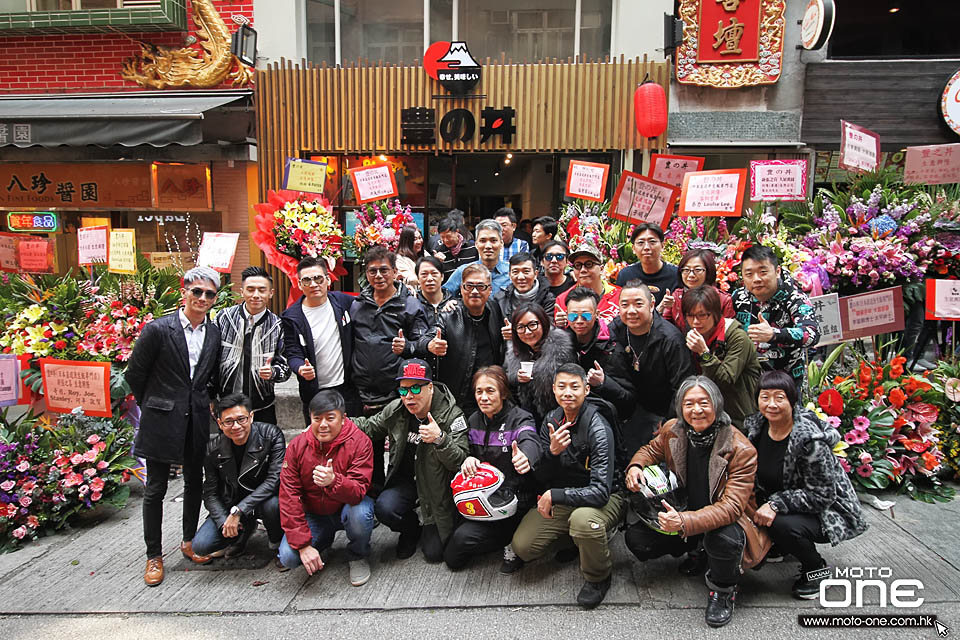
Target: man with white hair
[{"x": 171, "y": 365}]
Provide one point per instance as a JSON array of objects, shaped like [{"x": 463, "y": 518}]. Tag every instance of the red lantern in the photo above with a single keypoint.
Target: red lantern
[{"x": 650, "y": 109}]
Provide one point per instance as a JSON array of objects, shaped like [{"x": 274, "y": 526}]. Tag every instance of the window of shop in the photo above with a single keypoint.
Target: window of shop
[{"x": 895, "y": 29}]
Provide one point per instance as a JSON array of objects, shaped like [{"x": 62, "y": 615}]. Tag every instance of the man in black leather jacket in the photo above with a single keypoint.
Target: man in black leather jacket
[
  {"x": 525, "y": 286},
  {"x": 242, "y": 480},
  {"x": 581, "y": 499}
]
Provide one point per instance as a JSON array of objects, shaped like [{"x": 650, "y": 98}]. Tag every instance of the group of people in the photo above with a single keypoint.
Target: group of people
[{"x": 524, "y": 404}]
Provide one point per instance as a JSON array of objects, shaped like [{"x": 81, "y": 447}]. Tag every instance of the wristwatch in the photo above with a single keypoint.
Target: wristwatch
[
  {"x": 440, "y": 440},
  {"x": 773, "y": 506},
  {"x": 235, "y": 511},
  {"x": 705, "y": 356}
]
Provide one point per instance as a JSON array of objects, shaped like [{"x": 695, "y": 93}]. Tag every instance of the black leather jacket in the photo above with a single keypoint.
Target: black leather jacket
[
  {"x": 457, "y": 367},
  {"x": 506, "y": 300},
  {"x": 257, "y": 480}
]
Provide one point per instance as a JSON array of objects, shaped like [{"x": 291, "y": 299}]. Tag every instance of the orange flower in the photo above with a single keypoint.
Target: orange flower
[
  {"x": 913, "y": 385},
  {"x": 899, "y": 422},
  {"x": 897, "y": 397},
  {"x": 930, "y": 461}
]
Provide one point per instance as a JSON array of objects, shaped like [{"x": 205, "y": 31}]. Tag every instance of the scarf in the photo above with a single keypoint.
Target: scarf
[
  {"x": 455, "y": 251},
  {"x": 703, "y": 439},
  {"x": 529, "y": 296}
]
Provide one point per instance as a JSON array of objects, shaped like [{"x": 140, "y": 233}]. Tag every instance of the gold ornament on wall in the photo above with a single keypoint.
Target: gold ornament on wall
[{"x": 158, "y": 67}]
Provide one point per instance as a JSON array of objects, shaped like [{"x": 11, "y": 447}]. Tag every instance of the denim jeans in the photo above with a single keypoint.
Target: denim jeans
[
  {"x": 356, "y": 520},
  {"x": 397, "y": 507},
  {"x": 210, "y": 537}
]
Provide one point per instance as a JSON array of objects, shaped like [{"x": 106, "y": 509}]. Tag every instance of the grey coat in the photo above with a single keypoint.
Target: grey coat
[{"x": 813, "y": 480}]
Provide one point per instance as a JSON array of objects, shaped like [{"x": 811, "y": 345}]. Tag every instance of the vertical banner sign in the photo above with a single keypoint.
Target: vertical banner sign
[
  {"x": 68, "y": 384},
  {"x": 826, "y": 310},
  {"x": 671, "y": 169},
  {"x": 587, "y": 180},
  {"x": 373, "y": 182},
  {"x": 859, "y": 148},
  {"x": 9, "y": 380},
  {"x": 217, "y": 251},
  {"x": 122, "y": 251},
  {"x": 37, "y": 255},
  {"x": 778, "y": 180},
  {"x": 92, "y": 245},
  {"x": 8, "y": 252},
  {"x": 713, "y": 193},
  {"x": 932, "y": 164},
  {"x": 639, "y": 199},
  {"x": 26, "y": 393},
  {"x": 305, "y": 175},
  {"x": 943, "y": 300},
  {"x": 873, "y": 313}
]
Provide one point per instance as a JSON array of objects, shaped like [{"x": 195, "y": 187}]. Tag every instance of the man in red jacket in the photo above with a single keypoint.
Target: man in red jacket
[{"x": 323, "y": 488}]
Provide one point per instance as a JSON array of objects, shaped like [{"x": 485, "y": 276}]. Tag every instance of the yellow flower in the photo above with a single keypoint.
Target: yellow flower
[
  {"x": 33, "y": 313},
  {"x": 840, "y": 449}
]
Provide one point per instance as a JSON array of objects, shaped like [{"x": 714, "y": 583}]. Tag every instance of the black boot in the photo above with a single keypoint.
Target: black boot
[
  {"x": 407, "y": 544},
  {"x": 694, "y": 564},
  {"x": 592, "y": 593},
  {"x": 720, "y": 605},
  {"x": 807, "y": 585}
]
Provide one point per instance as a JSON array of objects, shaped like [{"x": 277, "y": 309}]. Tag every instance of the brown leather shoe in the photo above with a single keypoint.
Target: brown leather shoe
[
  {"x": 186, "y": 548},
  {"x": 154, "y": 573}
]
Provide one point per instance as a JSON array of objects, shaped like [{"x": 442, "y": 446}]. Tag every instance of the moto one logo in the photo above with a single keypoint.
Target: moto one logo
[{"x": 854, "y": 582}]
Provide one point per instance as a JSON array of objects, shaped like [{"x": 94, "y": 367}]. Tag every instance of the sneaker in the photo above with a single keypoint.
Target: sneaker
[
  {"x": 807, "y": 585},
  {"x": 407, "y": 544},
  {"x": 592, "y": 593},
  {"x": 511, "y": 561},
  {"x": 774, "y": 555},
  {"x": 279, "y": 565},
  {"x": 568, "y": 554},
  {"x": 720, "y": 606},
  {"x": 359, "y": 572},
  {"x": 694, "y": 564}
]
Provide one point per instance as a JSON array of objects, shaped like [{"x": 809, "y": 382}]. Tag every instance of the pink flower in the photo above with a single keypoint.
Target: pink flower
[
  {"x": 94, "y": 439},
  {"x": 856, "y": 437},
  {"x": 95, "y": 496},
  {"x": 97, "y": 484},
  {"x": 100, "y": 446},
  {"x": 25, "y": 501},
  {"x": 19, "y": 533},
  {"x": 846, "y": 465},
  {"x": 102, "y": 465},
  {"x": 865, "y": 458},
  {"x": 33, "y": 522},
  {"x": 23, "y": 466},
  {"x": 76, "y": 458},
  {"x": 72, "y": 479},
  {"x": 89, "y": 472},
  {"x": 861, "y": 423},
  {"x": 6, "y": 486},
  {"x": 90, "y": 455},
  {"x": 83, "y": 490},
  {"x": 865, "y": 470},
  {"x": 833, "y": 421},
  {"x": 28, "y": 487}
]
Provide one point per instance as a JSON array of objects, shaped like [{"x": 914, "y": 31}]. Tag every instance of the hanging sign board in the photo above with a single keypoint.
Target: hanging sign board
[
  {"x": 122, "y": 251},
  {"x": 778, "y": 180},
  {"x": 873, "y": 313},
  {"x": 859, "y": 148},
  {"x": 92, "y": 244},
  {"x": 33, "y": 221},
  {"x": 9, "y": 380},
  {"x": 713, "y": 193},
  {"x": 373, "y": 182},
  {"x": 639, "y": 199},
  {"x": 943, "y": 300},
  {"x": 217, "y": 251},
  {"x": 68, "y": 384},
  {"x": 305, "y": 175},
  {"x": 817, "y": 24},
  {"x": 932, "y": 164},
  {"x": 587, "y": 180},
  {"x": 176, "y": 186},
  {"x": 671, "y": 169}
]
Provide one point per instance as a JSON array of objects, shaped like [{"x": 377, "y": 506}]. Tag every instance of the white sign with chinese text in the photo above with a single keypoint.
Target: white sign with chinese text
[
  {"x": 778, "y": 180},
  {"x": 826, "y": 310},
  {"x": 932, "y": 164},
  {"x": 859, "y": 148},
  {"x": 217, "y": 251}
]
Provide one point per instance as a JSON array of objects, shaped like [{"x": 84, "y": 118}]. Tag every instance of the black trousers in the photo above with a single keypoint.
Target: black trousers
[
  {"x": 797, "y": 534},
  {"x": 158, "y": 474},
  {"x": 474, "y": 537},
  {"x": 266, "y": 414},
  {"x": 723, "y": 546}
]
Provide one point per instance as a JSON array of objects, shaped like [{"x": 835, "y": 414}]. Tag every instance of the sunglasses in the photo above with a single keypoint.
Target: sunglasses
[
  {"x": 203, "y": 293},
  {"x": 242, "y": 421},
  {"x": 586, "y": 315},
  {"x": 414, "y": 389},
  {"x": 555, "y": 257},
  {"x": 306, "y": 281},
  {"x": 474, "y": 286}
]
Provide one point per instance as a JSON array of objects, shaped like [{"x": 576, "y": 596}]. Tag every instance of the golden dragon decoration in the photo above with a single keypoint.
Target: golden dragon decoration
[{"x": 203, "y": 67}]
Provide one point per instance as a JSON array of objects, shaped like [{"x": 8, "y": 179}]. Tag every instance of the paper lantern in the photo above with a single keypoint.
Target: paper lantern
[{"x": 650, "y": 109}]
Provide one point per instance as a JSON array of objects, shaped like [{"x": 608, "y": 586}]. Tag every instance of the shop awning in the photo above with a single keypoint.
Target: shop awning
[{"x": 107, "y": 120}]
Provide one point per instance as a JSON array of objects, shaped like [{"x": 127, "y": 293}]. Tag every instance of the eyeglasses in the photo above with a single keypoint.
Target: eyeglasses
[
  {"x": 555, "y": 257},
  {"x": 199, "y": 292},
  {"x": 696, "y": 270},
  {"x": 414, "y": 389},
  {"x": 372, "y": 271},
  {"x": 306, "y": 281},
  {"x": 242, "y": 421},
  {"x": 700, "y": 316},
  {"x": 474, "y": 286},
  {"x": 586, "y": 315},
  {"x": 589, "y": 264},
  {"x": 530, "y": 327},
  {"x": 647, "y": 243}
]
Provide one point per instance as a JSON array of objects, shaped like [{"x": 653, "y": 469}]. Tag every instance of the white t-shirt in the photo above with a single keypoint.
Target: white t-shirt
[{"x": 326, "y": 341}]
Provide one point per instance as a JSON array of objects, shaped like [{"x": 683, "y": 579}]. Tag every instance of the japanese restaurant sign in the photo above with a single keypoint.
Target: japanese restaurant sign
[
  {"x": 122, "y": 251},
  {"x": 37, "y": 255},
  {"x": 305, "y": 175},
  {"x": 373, "y": 182},
  {"x": 932, "y": 164},
  {"x": 671, "y": 169},
  {"x": 730, "y": 43},
  {"x": 9, "y": 380},
  {"x": 778, "y": 180},
  {"x": 713, "y": 193},
  {"x": 640, "y": 199},
  {"x": 69, "y": 384},
  {"x": 873, "y": 313},
  {"x": 217, "y": 251},
  {"x": 826, "y": 310},
  {"x": 587, "y": 180},
  {"x": 859, "y": 148},
  {"x": 92, "y": 245},
  {"x": 943, "y": 300},
  {"x": 121, "y": 185}
]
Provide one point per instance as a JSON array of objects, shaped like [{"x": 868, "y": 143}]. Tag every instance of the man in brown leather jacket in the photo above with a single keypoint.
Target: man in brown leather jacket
[{"x": 716, "y": 465}]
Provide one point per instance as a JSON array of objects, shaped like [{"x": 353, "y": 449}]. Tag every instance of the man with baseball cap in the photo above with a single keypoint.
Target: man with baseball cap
[
  {"x": 428, "y": 443},
  {"x": 587, "y": 265}
]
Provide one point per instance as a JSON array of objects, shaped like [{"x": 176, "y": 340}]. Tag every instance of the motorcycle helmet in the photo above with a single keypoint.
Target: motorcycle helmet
[
  {"x": 661, "y": 484},
  {"x": 483, "y": 496}
]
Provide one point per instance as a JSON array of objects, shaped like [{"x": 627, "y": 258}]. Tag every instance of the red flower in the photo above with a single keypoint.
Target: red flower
[
  {"x": 917, "y": 446},
  {"x": 831, "y": 402},
  {"x": 116, "y": 304},
  {"x": 930, "y": 461},
  {"x": 48, "y": 334},
  {"x": 896, "y": 366},
  {"x": 60, "y": 344},
  {"x": 897, "y": 397}
]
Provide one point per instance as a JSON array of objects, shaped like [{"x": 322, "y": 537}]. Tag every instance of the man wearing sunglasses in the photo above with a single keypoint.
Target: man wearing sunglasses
[
  {"x": 169, "y": 372},
  {"x": 242, "y": 481},
  {"x": 587, "y": 266},
  {"x": 604, "y": 359},
  {"x": 428, "y": 443},
  {"x": 554, "y": 265}
]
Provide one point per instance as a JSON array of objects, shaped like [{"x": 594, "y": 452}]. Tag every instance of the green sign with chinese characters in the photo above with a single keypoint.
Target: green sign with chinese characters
[{"x": 33, "y": 221}]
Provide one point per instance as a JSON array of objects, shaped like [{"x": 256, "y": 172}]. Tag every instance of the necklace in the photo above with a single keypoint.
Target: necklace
[{"x": 637, "y": 353}]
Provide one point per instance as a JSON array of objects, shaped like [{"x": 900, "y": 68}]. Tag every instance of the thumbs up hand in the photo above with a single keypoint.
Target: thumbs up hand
[
  {"x": 669, "y": 520},
  {"x": 430, "y": 432},
  {"x": 438, "y": 346},
  {"x": 762, "y": 331},
  {"x": 595, "y": 376},
  {"x": 266, "y": 371},
  {"x": 507, "y": 330},
  {"x": 323, "y": 475},
  {"x": 520, "y": 461},
  {"x": 399, "y": 343},
  {"x": 560, "y": 318}
]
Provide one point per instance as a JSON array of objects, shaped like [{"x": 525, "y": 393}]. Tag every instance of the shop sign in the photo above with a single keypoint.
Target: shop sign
[
  {"x": 122, "y": 251},
  {"x": 9, "y": 380},
  {"x": 118, "y": 185},
  {"x": 932, "y": 164},
  {"x": 217, "y": 251},
  {"x": 713, "y": 193},
  {"x": 373, "y": 182},
  {"x": 950, "y": 103},
  {"x": 307, "y": 176},
  {"x": 943, "y": 300},
  {"x": 92, "y": 244},
  {"x": 451, "y": 64},
  {"x": 671, "y": 169},
  {"x": 873, "y": 313},
  {"x": 817, "y": 24},
  {"x": 826, "y": 311},
  {"x": 181, "y": 187},
  {"x": 70, "y": 384},
  {"x": 587, "y": 180},
  {"x": 16, "y": 133},
  {"x": 778, "y": 180},
  {"x": 859, "y": 148},
  {"x": 417, "y": 125},
  {"x": 33, "y": 221},
  {"x": 639, "y": 199},
  {"x": 730, "y": 43}
]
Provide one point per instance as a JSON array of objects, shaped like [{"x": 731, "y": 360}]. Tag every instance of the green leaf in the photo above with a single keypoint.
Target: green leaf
[{"x": 118, "y": 498}]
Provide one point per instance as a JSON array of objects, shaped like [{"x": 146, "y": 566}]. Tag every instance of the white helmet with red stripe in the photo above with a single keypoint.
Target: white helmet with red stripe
[{"x": 483, "y": 496}]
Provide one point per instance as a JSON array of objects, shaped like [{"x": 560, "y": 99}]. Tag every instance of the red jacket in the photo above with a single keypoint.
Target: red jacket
[{"x": 352, "y": 455}]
